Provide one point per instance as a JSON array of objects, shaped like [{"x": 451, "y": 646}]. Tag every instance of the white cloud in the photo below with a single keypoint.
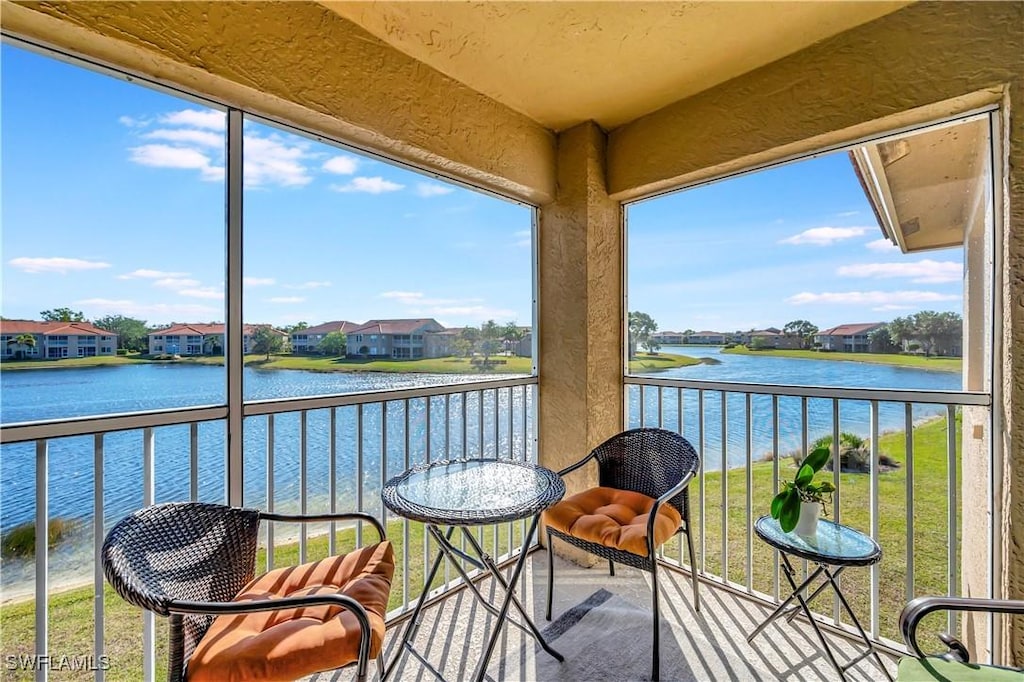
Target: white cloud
[
  {"x": 407, "y": 297},
  {"x": 165, "y": 156},
  {"x": 209, "y": 119},
  {"x": 870, "y": 297},
  {"x": 143, "y": 273},
  {"x": 420, "y": 304},
  {"x": 257, "y": 281},
  {"x": 56, "y": 264},
  {"x": 924, "y": 272},
  {"x": 308, "y": 285},
  {"x": 847, "y": 214},
  {"x": 341, "y": 165},
  {"x": 188, "y": 136},
  {"x": 479, "y": 313},
  {"x": 270, "y": 161},
  {"x": 374, "y": 185},
  {"x": 882, "y": 245},
  {"x": 176, "y": 283},
  {"x": 156, "y": 313},
  {"x": 523, "y": 238},
  {"x": 286, "y": 299},
  {"x": 430, "y": 189},
  {"x": 824, "y": 236},
  {"x": 890, "y": 307},
  {"x": 132, "y": 122},
  {"x": 203, "y": 292}
]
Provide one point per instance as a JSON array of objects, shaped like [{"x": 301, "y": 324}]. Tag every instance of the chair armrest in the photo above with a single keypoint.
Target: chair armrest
[
  {"x": 577, "y": 465},
  {"x": 665, "y": 497},
  {"x": 321, "y": 518},
  {"x": 917, "y": 609},
  {"x": 253, "y": 606}
]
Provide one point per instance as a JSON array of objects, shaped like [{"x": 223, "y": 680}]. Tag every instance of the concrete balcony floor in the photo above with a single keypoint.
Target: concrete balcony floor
[{"x": 602, "y": 625}]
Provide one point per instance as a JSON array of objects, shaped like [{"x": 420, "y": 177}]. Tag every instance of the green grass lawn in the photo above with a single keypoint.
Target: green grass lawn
[
  {"x": 97, "y": 361},
  {"x": 916, "y": 361},
  {"x": 651, "y": 362}
]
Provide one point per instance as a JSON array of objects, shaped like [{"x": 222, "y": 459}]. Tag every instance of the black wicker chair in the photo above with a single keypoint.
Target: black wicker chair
[
  {"x": 189, "y": 560},
  {"x": 656, "y": 463},
  {"x": 955, "y": 664}
]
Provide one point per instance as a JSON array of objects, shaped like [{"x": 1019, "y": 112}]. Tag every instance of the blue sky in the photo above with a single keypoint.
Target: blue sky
[{"x": 113, "y": 203}]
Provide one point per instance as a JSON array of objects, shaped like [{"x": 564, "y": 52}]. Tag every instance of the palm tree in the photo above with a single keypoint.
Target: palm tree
[{"x": 21, "y": 342}]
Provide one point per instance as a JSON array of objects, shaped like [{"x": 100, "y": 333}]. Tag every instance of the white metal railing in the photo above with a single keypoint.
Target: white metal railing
[
  {"x": 315, "y": 454},
  {"x": 744, "y": 433}
]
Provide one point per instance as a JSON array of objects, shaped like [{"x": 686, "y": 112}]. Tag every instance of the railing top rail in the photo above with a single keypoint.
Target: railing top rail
[
  {"x": 21, "y": 432},
  {"x": 79, "y": 426},
  {"x": 843, "y": 393},
  {"x": 279, "y": 405}
]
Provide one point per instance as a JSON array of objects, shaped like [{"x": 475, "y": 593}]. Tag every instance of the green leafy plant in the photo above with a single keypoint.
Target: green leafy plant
[{"x": 786, "y": 505}]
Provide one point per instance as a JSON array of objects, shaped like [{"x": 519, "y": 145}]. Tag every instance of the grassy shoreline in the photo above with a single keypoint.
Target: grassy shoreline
[
  {"x": 71, "y": 630},
  {"x": 644, "y": 362},
  {"x": 938, "y": 364}
]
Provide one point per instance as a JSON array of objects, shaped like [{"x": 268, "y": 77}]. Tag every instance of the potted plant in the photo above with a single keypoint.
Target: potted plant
[{"x": 796, "y": 505}]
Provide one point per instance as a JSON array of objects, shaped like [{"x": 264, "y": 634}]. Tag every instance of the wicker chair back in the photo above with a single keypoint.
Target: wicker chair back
[{"x": 649, "y": 461}]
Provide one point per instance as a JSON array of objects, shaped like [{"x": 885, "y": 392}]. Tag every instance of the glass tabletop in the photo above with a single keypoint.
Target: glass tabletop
[
  {"x": 473, "y": 492},
  {"x": 833, "y": 544}
]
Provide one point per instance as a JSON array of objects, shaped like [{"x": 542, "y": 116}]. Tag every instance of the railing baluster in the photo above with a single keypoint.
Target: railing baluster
[
  {"x": 689, "y": 522},
  {"x": 803, "y": 453},
  {"x": 837, "y": 612},
  {"x": 480, "y": 426},
  {"x": 332, "y": 474},
  {"x": 193, "y": 461},
  {"x": 642, "y": 406},
  {"x": 406, "y": 596},
  {"x": 383, "y": 459},
  {"x": 465, "y": 428},
  {"x": 270, "y": 490},
  {"x": 750, "y": 494},
  {"x": 703, "y": 479},
  {"x": 876, "y": 569},
  {"x": 303, "y": 480},
  {"x": 908, "y": 467},
  {"x": 952, "y": 525},
  {"x": 42, "y": 555},
  {"x": 98, "y": 533},
  {"x": 661, "y": 408},
  {"x": 724, "y": 477},
  {"x": 775, "y": 487},
  {"x": 360, "y": 483},
  {"x": 148, "y": 498}
]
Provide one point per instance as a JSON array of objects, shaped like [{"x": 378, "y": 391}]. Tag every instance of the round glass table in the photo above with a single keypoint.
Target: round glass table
[
  {"x": 834, "y": 547},
  {"x": 458, "y": 494}
]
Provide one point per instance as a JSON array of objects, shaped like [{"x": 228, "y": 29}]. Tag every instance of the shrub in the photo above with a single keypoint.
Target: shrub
[
  {"x": 20, "y": 541},
  {"x": 122, "y": 351}
]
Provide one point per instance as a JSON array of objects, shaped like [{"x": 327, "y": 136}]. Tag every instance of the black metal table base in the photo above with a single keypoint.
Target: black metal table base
[
  {"x": 791, "y": 612},
  {"x": 482, "y": 560}
]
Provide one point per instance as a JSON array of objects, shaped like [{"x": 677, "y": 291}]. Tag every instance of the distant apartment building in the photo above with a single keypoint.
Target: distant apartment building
[
  {"x": 847, "y": 338},
  {"x": 308, "y": 340},
  {"x": 708, "y": 338},
  {"x": 442, "y": 344},
  {"x": 772, "y": 338},
  {"x": 399, "y": 339},
  {"x": 669, "y": 338},
  {"x": 199, "y": 339},
  {"x": 55, "y": 340}
]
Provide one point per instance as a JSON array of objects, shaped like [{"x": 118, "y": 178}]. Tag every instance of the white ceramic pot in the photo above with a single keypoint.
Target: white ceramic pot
[{"x": 807, "y": 524}]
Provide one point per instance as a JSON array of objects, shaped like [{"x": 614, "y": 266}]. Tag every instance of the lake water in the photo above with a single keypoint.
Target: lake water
[{"x": 35, "y": 395}]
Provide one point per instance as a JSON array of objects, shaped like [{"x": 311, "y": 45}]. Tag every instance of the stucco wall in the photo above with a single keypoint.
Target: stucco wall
[
  {"x": 580, "y": 305},
  {"x": 299, "y": 62},
  {"x": 915, "y": 65}
]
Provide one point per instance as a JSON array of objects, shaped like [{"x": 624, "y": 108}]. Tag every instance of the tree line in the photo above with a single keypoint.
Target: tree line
[{"x": 934, "y": 333}]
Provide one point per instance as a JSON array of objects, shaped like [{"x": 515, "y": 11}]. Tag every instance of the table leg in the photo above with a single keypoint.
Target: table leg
[
  {"x": 414, "y": 620},
  {"x": 789, "y": 571},
  {"x": 863, "y": 635},
  {"x": 509, "y": 589},
  {"x": 782, "y": 607}
]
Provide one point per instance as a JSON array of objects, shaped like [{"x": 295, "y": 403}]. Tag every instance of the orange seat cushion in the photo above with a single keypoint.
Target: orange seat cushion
[
  {"x": 291, "y": 643},
  {"x": 613, "y": 518}
]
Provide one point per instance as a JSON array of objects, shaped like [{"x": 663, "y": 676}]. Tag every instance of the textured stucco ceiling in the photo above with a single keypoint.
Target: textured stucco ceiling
[{"x": 561, "y": 63}]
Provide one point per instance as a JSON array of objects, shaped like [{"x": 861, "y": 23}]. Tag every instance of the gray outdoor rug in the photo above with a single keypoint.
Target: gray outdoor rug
[{"x": 607, "y": 638}]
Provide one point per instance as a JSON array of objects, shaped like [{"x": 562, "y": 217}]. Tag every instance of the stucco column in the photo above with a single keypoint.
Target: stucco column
[{"x": 580, "y": 310}]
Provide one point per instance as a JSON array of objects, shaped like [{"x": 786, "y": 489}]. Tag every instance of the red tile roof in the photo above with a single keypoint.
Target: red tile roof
[
  {"x": 407, "y": 326},
  {"x": 200, "y": 329},
  {"x": 52, "y": 328},
  {"x": 851, "y": 329},
  {"x": 343, "y": 326}
]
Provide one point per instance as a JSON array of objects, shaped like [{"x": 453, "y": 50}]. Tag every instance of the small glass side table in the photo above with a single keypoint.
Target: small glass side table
[
  {"x": 834, "y": 548},
  {"x": 462, "y": 494}
]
